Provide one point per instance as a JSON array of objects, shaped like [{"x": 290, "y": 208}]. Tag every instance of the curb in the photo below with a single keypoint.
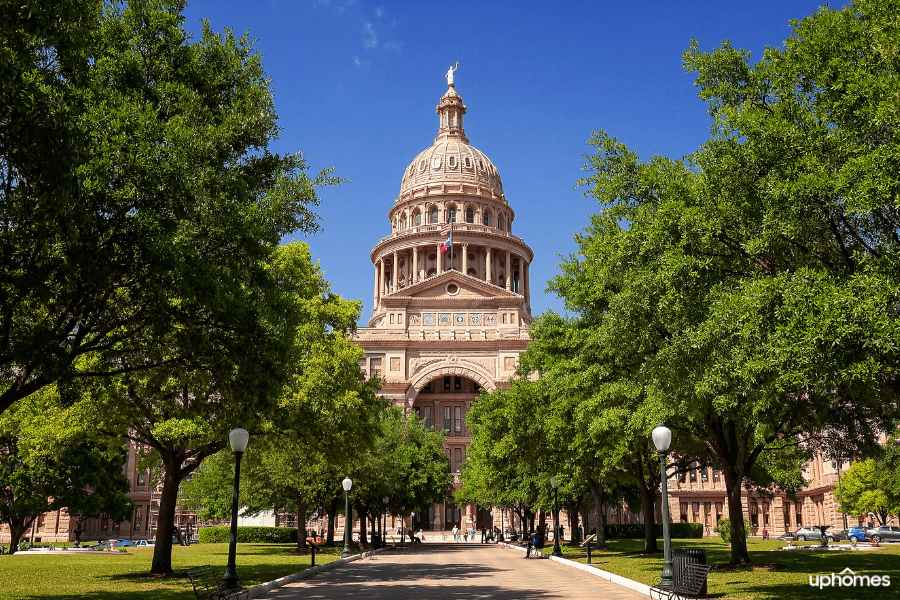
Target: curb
[
  {"x": 262, "y": 588},
  {"x": 632, "y": 585}
]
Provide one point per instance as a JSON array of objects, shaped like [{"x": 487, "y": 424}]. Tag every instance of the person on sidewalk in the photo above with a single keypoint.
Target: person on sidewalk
[{"x": 455, "y": 533}]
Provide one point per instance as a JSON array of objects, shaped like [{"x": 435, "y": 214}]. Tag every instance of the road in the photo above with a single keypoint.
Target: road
[{"x": 453, "y": 572}]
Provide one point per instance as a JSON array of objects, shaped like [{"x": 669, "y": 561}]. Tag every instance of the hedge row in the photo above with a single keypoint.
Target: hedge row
[
  {"x": 633, "y": 531},
  {"x": 249, "y": 535}
]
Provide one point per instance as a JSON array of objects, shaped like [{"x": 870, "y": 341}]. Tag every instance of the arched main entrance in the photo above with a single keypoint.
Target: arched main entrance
[{"x": 442, "y": 403}]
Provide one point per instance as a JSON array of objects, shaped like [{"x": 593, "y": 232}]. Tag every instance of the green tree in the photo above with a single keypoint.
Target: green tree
[
  {"x": 866, "y": 488},
  {"x": 84, "y": 478},
  {"x": 136, "y": 188}
]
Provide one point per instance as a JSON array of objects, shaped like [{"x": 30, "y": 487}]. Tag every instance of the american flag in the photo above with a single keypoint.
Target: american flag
[{"x": 446, "y": 229}]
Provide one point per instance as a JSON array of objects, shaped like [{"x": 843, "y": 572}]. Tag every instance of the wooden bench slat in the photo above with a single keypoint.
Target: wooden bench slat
[{"x": 208, "y": 586}]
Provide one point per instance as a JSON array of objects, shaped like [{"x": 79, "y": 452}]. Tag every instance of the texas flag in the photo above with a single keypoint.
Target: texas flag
[{"x": 449, "y": 242}]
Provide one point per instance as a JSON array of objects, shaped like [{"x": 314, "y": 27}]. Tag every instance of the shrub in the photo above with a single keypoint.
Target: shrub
[
  {"x": 249, "y": 535},
  {"x": 724, "y": 529}
]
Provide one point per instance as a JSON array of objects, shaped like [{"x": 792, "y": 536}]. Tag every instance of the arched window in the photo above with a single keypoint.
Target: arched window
[
  {"x": 486, "y": 218},
  {"x": 500, "y": 222},
  {"x": 470, "y": 215},
  {"x": 403, "y": 222},
  {"x": 451, "y": 214},
  {"x": 417, "y": 219},
  {"x": 434, "y": 215}
]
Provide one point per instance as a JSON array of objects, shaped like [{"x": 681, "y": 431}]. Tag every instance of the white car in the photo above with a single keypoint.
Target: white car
[{"x": 144, "y": 543}]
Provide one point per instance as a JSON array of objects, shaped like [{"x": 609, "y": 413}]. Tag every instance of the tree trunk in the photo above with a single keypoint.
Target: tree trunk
[
  {"x": 572, "y": 511},
  {"x": 301, "y": 522},
  {"x": 361, "y": 511},
  {"x": 165, "y": 525},
  {"x": 648, "y": 505},
  {"x": 17, "y": 528},
  {"x": 542, "y": 522},
  {"x": 739, "y": 554},
  {"x": 332, "y": 512},
  {"x": 598, "y": 492}
]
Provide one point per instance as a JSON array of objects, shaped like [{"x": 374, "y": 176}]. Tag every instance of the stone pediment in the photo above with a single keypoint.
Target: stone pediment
[{"x": 453, "y": 285}]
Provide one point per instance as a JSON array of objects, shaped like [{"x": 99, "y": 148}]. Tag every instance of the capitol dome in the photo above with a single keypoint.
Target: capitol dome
[{"x": 451, "y": 160}]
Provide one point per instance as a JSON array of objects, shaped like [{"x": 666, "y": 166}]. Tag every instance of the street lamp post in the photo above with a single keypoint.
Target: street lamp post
[
  {"x": 840, "y": 463},
  {"x": 662, "y": 438},
  {"x": 384, "y": 528},
  {"x": 238, "y": 438},
  {"x": 557, "y": 551},
  {"x": 347, "y": 483}
]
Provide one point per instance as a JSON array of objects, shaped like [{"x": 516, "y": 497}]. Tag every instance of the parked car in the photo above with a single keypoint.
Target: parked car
[
  {"x": 884, "y": 534},
  {"x": 814, "y": 533},
  {"x": 143, "y": 543},
  {"x": 857, "y": 534},
  {"x": 123, "y": 543}
]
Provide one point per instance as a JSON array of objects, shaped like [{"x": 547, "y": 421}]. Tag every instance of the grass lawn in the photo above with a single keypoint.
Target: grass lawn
[
  {"x": 787, "y": 577},
  {"x": 115, "y": 575}
]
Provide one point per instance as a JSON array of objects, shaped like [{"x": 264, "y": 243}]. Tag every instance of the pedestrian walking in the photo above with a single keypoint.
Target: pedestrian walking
[
  {"x": 455, "y": 533},
  {"x": 466, "y": 534}
]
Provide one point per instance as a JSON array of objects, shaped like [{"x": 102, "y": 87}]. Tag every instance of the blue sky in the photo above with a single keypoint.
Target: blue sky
[{"x": 356, "y": 84}]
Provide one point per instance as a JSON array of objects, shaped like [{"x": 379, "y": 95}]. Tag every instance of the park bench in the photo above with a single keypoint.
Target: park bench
[
  {"x": 689, "y": 584},
  {"x": 209, "y": 586}
]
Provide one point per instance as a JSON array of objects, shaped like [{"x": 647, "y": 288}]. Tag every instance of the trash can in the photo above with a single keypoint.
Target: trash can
[
  {"x": 686, "y": 556},
  {"x": 376, "y": 541}
]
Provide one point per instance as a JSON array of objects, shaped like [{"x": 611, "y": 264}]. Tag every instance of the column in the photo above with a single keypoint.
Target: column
[
  {"x": 465, "y": 258},
  {"x": 395, "y": 273},
  {"x": 525, "y": 283},
  {"x": 377, "y": 296},
  {"x": 487, "y": 266},
  {"x": 380, "y": 279},
  {"x": 508, "y": 271},
  {"x": 440, "y": 260},
  {"x": 415, "y": 273}
]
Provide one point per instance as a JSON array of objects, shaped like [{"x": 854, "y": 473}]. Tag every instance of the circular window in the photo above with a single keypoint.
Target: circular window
[
  {"x": 452, "y": 289},
  {"x": 471, "y": 256},
  {"x": 490, "y": 319},
  {"x": 432, "y": 256},
  {"x": 445, "y": 319},
  {"x": 460, "y": 319},
  {"x": 429, "y": 319},
  {"x": 475, "y": 319}
]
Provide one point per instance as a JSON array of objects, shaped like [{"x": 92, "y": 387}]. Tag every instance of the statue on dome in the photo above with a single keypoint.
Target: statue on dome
[{"x": 449, "y": 74}]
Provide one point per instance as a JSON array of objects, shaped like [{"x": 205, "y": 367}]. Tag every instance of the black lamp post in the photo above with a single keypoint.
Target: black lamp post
[
  {"x": 662, "y": 438},
  {"x": 384, "y": 520},
  {"x": 557, "y": 551},
  {"x": 840, "y": 463},
  {"x": 348, "y": 517},
  {"x": 238, "y": 439}
]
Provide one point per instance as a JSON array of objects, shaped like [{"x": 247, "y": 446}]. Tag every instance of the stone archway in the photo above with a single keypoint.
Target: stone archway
[{"x": 451, "y": 366}]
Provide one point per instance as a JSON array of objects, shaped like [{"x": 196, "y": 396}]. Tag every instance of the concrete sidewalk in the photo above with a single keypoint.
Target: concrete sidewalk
[{"x": 453, "y": 572}]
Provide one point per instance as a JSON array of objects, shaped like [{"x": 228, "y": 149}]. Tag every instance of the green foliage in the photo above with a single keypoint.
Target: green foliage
[
  {"x": 723, "y": 528},
  {"x": 248, "y": 535},
  {"x": 84, "y": 478},
  {"x": 869, "y": 486}
]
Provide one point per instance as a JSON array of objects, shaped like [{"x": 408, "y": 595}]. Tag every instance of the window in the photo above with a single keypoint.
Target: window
[
  {"x": 446, "y": 418},
  {"x": 376, "y": 366},
  {"x": 704, "y": 474},
  {"x": 457, "y": 419},
  {"x": 451, "y": 214},
  {"x": 500, "y": 222},
  {"x": 427, "y": 388},
  {"x": 417, "y": 219},
  {"x": 457, "y": 459},
  {"x": 426, "y": 416},
  {"x": 434, "y": 215},
  {"x": 715, "y": 475},
  {"x": 457, "y": 383},
  {"x": 470, "y": 215},
  {"x": 142, "y": 478},
  {"x": 447, "y": 383},
  {"x": 486, "y": 218},
  {"x": 468, "y": 163},
  {"x": 693, "y": 473},
  {"x": 452, "y": 161}
]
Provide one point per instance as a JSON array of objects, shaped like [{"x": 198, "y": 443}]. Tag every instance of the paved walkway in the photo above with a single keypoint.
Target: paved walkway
[{"x": 453, "y": 572}]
